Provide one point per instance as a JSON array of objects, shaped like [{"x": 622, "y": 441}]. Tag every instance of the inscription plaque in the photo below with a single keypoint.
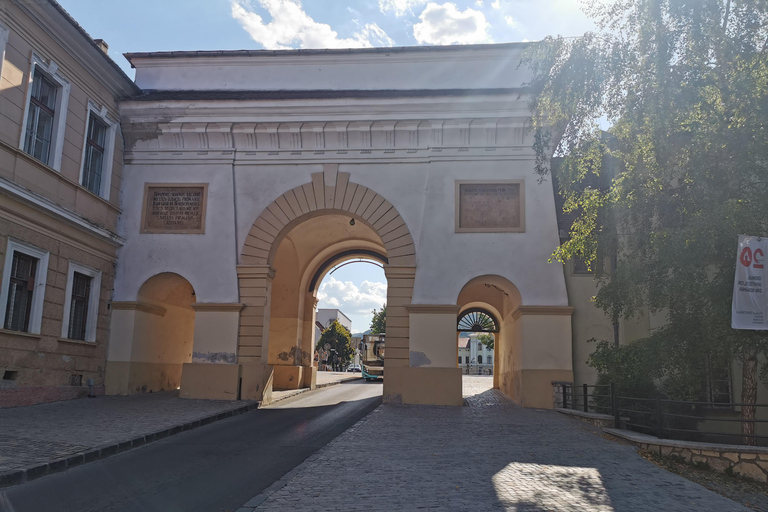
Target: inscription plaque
[
  {"x": 174, "y": 208},
  {"x": 490, "y": 206}
]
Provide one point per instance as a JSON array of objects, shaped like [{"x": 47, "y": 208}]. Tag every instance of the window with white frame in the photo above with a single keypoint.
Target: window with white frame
[
  {"x": 23, "y": 288},
  {"x": 98, "y": 151},
  {"x": 81, "y": 303},
  {"x": 45, "y": 114}
]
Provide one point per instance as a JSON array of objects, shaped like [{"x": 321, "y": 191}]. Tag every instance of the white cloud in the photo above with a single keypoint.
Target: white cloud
[
  {"x": 291, "y": 26},
  {"x": 496, "y": 4},
  {"x": 512, "y": 22},
  {"x": 399, "y": 7},
  {"x": 351, "y": 299},
  {"x": 479, "y": 3},
  {"x": 445, "y": 24}
]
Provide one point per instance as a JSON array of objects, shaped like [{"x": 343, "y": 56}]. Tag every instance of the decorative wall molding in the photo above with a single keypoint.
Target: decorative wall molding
[{"x": 314, "y": 139}]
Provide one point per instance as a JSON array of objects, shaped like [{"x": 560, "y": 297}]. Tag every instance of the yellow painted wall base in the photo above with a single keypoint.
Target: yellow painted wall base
[
  {"x": 309, "y": 379},
  {"x": 210, "y": 381},
  {"x": 393, "y": 383},
  {"x": 256, "y": 382},
  {"x": 288, "y": 377},
  {"x": 533, "y": 388},
  {"x": 432, "y": 386},
  {"x": 131, "y": 378}
]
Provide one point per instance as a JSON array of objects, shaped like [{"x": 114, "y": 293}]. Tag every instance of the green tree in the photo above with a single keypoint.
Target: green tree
[
  {"x": 379, "y": 321},
  {"x": 340, "y": 340},
  {"x": 684, "y": 86},
  {"x": 487, "y": 340}
]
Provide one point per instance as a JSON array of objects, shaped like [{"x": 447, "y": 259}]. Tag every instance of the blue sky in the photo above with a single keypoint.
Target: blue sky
[
  {"x": 166, "y": 25},
  {"x": 163, "y": 25}
]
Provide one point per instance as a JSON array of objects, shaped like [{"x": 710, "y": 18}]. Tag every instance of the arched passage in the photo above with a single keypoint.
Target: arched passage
[
  {"x": 288, "y": 247},
  {"x": 152, "y": 337},
  {"x": 499, "y": 297},
  {"x": 533, "y": 344}
]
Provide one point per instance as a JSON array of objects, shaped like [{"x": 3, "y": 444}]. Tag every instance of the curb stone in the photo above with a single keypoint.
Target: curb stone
[{"x": 21, "y": 476}]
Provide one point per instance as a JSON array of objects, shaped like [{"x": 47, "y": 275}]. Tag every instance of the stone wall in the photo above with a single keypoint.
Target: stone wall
[{"x": 747, "y": 461}]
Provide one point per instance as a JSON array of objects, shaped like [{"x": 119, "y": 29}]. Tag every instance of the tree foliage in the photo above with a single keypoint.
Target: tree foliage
[
  {"x": 340, "y": 340},
  {"x": 379, "y": 321},
  {"x": 683, "y": 85},
  {"x": 487, "y": 340}
]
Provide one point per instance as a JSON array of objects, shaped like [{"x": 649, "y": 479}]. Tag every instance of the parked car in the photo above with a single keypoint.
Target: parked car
[{"x": 354, "y": 368}]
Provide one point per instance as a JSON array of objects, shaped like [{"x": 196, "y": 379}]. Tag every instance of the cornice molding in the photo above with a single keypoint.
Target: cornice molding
[
  {"x": 218, "y": 306},
  {"x": 46, "y": 205},
  {"x": 144, "y": 307},
  {"x": 75, "y": 41},
  {"x": 314, "y": 139},
  {"x": 255, "y": 271}
]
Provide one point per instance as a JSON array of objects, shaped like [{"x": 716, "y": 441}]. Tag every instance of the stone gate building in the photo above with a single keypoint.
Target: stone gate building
[{"x": 249, "y": 174}]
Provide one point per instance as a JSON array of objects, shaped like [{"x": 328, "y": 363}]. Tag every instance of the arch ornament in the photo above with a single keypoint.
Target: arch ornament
[{"x": 329, "y": 192}]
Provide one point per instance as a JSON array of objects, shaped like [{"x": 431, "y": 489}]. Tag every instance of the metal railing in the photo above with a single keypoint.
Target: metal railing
[{"x": 666, "y": 419}]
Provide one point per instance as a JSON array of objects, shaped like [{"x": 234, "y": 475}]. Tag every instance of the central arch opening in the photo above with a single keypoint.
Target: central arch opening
[{"x": 309, "y": 259}]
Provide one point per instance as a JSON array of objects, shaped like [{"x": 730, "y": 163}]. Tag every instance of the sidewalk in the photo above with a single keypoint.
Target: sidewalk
[
  {"x": 492, "y": 455},
  {"x": 324, "y": 379},
  {"x": 41, "y": 439}
]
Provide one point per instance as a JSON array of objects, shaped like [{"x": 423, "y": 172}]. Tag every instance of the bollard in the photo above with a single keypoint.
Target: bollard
[
  {"x": 90, "y": 389},
  {"x": 586, "y": 398}
]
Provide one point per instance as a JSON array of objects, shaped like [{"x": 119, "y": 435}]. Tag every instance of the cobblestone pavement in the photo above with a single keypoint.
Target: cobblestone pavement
[
  {"x": 42, "y": 433},
  {"x": 482, "y": 458}
]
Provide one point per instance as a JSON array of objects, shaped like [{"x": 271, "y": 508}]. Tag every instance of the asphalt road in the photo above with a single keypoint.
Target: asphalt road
[{"x": 217, "y": 467}]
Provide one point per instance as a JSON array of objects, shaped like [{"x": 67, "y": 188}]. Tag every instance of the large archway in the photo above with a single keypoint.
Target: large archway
[
  {"x": 152, "y": 337},
  {"x": 290, "y": 246}
]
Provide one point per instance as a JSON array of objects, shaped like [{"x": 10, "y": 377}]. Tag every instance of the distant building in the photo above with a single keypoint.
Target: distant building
[
  {"x": 325, "y": 317},
  {"x": 474, "y": 357}
]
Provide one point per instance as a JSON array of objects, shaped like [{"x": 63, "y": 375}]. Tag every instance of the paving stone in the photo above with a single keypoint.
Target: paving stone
[
  {"x": 40, "y": 434},
  {"x": 491, "y": 456}
]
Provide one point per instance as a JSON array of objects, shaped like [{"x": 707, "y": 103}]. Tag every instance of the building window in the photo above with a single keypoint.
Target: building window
[
  {"x": 22, "y": 277},
  {"x": 719, "y": 390},
  {"x": 81, "y": 306},
  {"x": 45, "y": 115},
  {"x": 490, "y": 359},
  {"x": 479, "y": 359},
  {"x": 98, "y": 151},
  {"x": 479, "y": 346},
  {"x": 23, "y": 287},
  {"x": 78, "y": 309},
  {"x": 580, "y": 266},
  {"x": 40, "y": 118},
  {"x": 94, "y": 154},
  {"x": 459, "y": 359}
]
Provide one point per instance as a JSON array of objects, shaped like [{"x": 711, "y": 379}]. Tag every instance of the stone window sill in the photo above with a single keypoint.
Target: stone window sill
[
  {"x": 77, "y": 342},
  {"x": 20, "y": 333}
]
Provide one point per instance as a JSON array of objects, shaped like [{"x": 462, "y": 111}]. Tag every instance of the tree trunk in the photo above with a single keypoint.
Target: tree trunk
[{"x": 748, "y": 395}]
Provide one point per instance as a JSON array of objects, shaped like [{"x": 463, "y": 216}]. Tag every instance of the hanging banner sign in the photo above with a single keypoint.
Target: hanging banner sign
[{"x": 750, "y": 297}]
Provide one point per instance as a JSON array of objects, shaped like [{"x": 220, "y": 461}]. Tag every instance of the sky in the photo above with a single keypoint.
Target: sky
[
  {"x": 356, "y": 289},
  {"x": 168, "y": 25}
]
